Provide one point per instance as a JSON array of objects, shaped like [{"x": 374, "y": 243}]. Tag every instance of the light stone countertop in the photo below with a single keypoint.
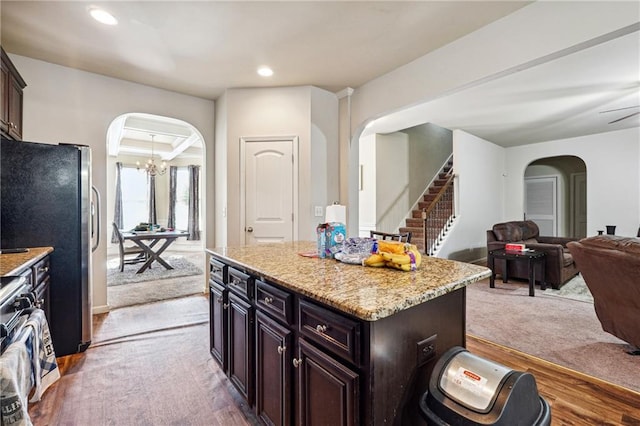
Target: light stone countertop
[
  {"x": 364, "y": 292},
  {"x": 13, "y": 263}
]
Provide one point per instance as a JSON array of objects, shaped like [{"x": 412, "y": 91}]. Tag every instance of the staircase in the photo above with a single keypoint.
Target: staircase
[{"x": 433, "y": 215}]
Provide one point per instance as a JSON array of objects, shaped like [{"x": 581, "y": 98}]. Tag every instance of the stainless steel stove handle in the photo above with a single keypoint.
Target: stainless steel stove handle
[
  {"x": 95, "y": 214},
  {"x": 23, "y": 302}
]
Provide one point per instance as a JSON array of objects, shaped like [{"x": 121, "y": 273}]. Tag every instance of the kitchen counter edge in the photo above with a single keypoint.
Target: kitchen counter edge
[
  {"x": 13, "y": 263},
  {"x": 385, "y": 299}
]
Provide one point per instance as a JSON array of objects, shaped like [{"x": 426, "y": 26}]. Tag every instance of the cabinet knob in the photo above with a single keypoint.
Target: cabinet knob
[
  {"x": 43, "y": 269},
  {"x": 281, "y": 349},
  {"x": 321, "y": 328},
  {"x": 268, "y": 300},
  {"x": 220, "y": 299},
  {"x": 225, "y": 306},
  {"x": 297, "y": 362}
]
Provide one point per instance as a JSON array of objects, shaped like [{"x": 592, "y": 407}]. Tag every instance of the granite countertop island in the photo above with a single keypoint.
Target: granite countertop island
[
  {"x": 13, "y": 263},
  {"x": 365, "y": 292}
]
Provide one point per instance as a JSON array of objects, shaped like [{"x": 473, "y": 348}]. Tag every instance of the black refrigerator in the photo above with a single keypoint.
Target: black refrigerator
[{"x": 47, "y": 200}]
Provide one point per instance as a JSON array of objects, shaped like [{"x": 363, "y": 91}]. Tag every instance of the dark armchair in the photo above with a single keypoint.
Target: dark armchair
[
  {"x": 559, "y": 264},
  {"x": 610, "y": 266}
]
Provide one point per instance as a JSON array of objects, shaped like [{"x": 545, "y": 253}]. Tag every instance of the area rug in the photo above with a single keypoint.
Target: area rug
[
  {"x": 181, "y": 268},
  {"x": 154, "y": 291},
  {"x": 575, "y": 289},
  {"x": 553, "y": 327}
]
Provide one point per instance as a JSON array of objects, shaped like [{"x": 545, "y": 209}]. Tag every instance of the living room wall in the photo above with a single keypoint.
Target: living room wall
[
  {"x": 544, "y": 28},
  {"x": 479, "y": 166},
  {"x": 613, "y": 184},
  {"x": 490, "y": 185}
]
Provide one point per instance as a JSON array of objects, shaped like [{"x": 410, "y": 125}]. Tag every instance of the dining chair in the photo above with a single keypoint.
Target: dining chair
[
  {"x": 379, "y": 235},
  {"x": 140, "y": 255}
]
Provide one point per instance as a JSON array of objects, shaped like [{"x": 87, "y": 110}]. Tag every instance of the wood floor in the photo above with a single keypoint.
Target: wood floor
[{"x": 575, "y": 399}]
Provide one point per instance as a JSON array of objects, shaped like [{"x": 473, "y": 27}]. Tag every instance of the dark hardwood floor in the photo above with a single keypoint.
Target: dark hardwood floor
[{"x": 88, "y": 391}]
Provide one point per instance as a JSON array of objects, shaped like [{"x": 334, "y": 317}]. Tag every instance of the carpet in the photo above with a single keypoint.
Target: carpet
[
  {"x": 181, "y": 268},
  {"x": 553, "y": 326}
]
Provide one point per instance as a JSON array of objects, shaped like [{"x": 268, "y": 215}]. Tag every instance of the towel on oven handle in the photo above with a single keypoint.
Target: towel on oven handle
[
  {"x": 16, "y": 381},
  {"x": 45, "y": 367}
]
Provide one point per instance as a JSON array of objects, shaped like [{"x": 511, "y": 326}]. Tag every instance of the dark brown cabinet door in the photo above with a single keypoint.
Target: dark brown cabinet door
[
  {"x": 15, "y": 109},
  {"x": 4, "y": 97},
  {"x": 273, "y": 371},
  {"x": 11, "y": 99},
  {"x": 240, "y": 342},
  {"x": 328, "y": 392},
  {"x": 218, "y": 323}
]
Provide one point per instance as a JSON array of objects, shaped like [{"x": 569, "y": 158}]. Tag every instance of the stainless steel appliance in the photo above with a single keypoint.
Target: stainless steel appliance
[
  {"x": 15, "y": 297},
  {"x": 46, "y": 200}
]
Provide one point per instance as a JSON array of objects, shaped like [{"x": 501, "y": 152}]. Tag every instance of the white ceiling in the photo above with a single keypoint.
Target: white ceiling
[
  {"x": 201, "y": 48},
  {"x": 578, "y": 94}
]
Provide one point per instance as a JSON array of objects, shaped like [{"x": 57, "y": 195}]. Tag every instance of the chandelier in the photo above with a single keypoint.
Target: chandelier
[{"x": 150, "y": 166}]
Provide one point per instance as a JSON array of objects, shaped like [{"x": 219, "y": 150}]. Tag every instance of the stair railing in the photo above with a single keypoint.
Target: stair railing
[{"x": 437, "y": 218}]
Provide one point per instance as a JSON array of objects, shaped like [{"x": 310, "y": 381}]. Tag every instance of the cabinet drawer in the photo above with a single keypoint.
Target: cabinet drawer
[
  {"x": 41, "y": 271},
  {"x": 217, "y": 270},
  {"x": 336, "y": 333},
  {"x": 276, "y": 302},
  {"x": 239, "y": 283}
]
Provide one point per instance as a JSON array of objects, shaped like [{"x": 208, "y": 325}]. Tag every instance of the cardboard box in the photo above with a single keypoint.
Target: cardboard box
[{"x": 329, "y": 236}]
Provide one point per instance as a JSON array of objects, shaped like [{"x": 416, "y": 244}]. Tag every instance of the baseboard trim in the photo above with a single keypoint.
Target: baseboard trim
[{"x": 103, "y": 309}]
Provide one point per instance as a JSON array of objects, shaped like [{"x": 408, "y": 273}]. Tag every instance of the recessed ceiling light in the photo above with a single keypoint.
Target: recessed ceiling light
[
  {"x": 102, "y": 16},
  {"x": 265, "y": 71}
]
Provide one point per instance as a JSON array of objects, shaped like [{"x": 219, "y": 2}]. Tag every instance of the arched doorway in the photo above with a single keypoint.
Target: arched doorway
[
  {"x": 133, "y": 140},
  {"x": 555, "y": 193}
]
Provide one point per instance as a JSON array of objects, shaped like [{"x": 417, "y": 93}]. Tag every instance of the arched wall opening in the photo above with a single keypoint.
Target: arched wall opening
[
  {"x": 555, "y": 195},
  {"x": 129, "y": 140}
]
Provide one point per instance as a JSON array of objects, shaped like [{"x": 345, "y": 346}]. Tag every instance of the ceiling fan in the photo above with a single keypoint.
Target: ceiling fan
[{"x": 624, "y": 117}]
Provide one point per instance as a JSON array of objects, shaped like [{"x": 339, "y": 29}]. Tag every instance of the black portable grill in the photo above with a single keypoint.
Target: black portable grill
[{"x": 465, "y": 389}]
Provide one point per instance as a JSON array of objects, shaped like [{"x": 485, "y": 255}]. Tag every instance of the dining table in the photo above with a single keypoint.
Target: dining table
[{"x": 154, "y": 243}]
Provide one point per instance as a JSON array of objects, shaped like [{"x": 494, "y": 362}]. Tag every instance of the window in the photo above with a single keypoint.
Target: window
[
  {"x": 182, "y": 198},
  {"x": 135, "y": 193}
]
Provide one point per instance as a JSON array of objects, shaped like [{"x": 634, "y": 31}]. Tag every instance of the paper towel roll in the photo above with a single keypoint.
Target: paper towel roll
[{"x": 336, "y": 213}]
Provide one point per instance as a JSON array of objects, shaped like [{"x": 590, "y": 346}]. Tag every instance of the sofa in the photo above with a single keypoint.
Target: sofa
[
  {"x": 610, "y": 266},
  {"x": 559, "y": 264}
]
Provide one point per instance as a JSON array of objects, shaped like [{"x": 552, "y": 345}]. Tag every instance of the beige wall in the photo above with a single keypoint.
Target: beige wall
[
  {"x": 305, "y": 112},
  {"x": 536, "y": 33},
  {"x": 67, "y": 105}
]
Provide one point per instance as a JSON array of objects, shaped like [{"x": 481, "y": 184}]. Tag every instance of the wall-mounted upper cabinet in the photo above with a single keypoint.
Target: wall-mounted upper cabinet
[{"x": 11, "y": 95}]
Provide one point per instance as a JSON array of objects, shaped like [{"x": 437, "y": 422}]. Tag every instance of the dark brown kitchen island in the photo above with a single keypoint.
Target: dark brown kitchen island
[{"x": 315, "y": 341}]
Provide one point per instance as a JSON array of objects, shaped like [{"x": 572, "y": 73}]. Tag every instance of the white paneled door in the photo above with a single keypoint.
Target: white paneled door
[
  {"x": 269, "y": 173},
  {"x": 541, "y": 204}
]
